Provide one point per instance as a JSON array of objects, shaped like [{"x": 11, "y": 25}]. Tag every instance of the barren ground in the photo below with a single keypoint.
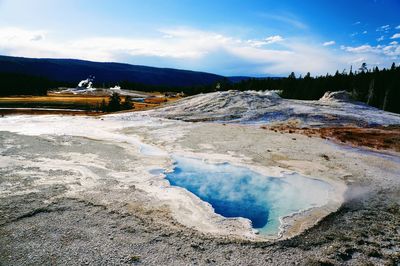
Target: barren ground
[
  {"x": 379, "y": 138},
  {"x": 83, "y": 196}
]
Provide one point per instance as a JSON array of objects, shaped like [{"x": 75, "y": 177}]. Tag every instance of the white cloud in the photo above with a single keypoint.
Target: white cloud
[
  {"x": 365, "y": 32},
  {"x": 256, "y": 43},
  {"x": 329, "y": 43},
  {"x": 380, "y": 38},
  {"x": 12, "y": 34},
  {"x": 194, "y": 49},
  {"x": 392, "y": 51},
  {"x": 266, "y": 41},
  {"x": 398, "y": 27},
  {"x": 359, "y": 60},
  {"x": 395, "y": 36},
  {"x": 37, "y": 37},
  {"x": 357, "y": 23},
  {"x": 273, "y": 39},
  {"x": 383, "y": 28},
  {"x": 359, "y": 49}
]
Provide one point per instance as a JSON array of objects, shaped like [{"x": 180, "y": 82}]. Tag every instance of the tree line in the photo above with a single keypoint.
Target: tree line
[
  {"x": 21, "y": 84},
  {"x": 377, "y": 87}
]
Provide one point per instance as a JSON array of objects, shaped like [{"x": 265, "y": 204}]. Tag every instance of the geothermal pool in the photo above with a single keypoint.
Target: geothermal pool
[{"x": 236, "y": 191}]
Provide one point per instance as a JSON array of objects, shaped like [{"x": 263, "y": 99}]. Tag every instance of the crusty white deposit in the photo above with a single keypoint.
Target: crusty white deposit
[
  {"x": 267, "y": 107},
  {"x": 151, "y": 140},
  {"x": 78, "y": 190}
]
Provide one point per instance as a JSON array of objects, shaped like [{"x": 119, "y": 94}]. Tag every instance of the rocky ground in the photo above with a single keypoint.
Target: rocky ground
[
  {"x": 52, "y": 216},
  {"x": 78, "y": 191},
  {"x": 74, "y": 232}
]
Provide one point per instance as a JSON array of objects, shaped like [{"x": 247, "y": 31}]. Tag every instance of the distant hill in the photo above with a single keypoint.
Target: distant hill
[
  {"x": 72, "y": 71},
  {"x": 236, "y": 79}
]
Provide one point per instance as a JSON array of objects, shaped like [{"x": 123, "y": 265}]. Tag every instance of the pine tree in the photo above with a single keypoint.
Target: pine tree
[
  {"x": 114, "y": 104},
  {"x": 103, "y": 106},
  {"x": 128, "y": 104},
  {"x": 363, "y": 67}
]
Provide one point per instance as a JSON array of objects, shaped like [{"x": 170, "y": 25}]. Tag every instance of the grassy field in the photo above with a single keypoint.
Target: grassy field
[
  {"x": 68, "y": 103},
  {"x": 59, "y": 101}
]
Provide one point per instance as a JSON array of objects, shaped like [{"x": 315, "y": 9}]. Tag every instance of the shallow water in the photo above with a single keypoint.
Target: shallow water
[{"x": 235, "y": 191}]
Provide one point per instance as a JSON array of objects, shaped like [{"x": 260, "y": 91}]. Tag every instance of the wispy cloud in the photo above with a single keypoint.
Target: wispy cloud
[
  {"x": 329, "y": 43},
  {"x": 365, "y": 32},
  {"x": 383, "y": 28},
  {"x": 380, "y": 38},
  {"x": 266, "y": 41},
  {"x": 288, "y": 19},
  {"x": 395, "y": 36},
  {"x": 273, "y": 39},
  {"x": 398, "y": 27},
  {"x": 357, "y": 23},
  {"x": 366, "y": 48}
]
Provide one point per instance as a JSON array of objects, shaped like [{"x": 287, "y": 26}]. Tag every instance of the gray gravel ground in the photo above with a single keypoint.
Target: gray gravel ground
[
  {"x": 73, "y": 232},
  {"x": 46, "y": 227}
]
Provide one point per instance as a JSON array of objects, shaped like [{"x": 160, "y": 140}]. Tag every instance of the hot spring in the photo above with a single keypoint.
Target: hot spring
[{"x": 236, "y": 191}]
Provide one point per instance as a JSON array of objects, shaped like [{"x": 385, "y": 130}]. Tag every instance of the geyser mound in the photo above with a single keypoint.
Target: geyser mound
[
  {"x": 265, "y": 107},
  {"x": 221, "y": 106}
]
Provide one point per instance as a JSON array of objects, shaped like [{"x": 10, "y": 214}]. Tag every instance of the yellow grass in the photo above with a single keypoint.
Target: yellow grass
[
  {"x": 64, "y": 99},
  {"x": 76, "y": 100}
]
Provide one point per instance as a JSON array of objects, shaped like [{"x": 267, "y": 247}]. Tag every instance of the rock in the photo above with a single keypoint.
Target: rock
[
  {"x": 132, "y": 259},
  {"x": 326, "y": 157},
  {"x": 374, "y": 253}
]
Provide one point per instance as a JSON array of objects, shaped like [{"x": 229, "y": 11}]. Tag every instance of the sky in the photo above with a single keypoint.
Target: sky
[{"x": 227, "y": 37}]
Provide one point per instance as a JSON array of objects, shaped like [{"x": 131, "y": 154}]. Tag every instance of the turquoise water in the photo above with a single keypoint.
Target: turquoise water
[{"x": 235, "y": 191}]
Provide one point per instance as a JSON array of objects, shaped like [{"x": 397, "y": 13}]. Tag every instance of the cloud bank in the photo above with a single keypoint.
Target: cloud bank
[{"x": 200, "y": 50}]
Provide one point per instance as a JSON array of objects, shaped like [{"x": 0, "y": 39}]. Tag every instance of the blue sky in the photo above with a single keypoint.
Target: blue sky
[{"x": 226, "y": 37}]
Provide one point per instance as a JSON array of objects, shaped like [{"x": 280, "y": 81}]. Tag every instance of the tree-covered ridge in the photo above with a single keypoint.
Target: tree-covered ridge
[{"x": 74, "y": 70}]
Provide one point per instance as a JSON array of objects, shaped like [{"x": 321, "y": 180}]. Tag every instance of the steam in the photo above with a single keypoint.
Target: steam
[
  {"x": 86, "y": 83},
  {"x": 358, "y": 192},
  {"x": 115, "y": 88}
]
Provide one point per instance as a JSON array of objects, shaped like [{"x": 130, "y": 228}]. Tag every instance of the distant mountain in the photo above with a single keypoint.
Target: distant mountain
[{"x": 72, "y": 70}]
